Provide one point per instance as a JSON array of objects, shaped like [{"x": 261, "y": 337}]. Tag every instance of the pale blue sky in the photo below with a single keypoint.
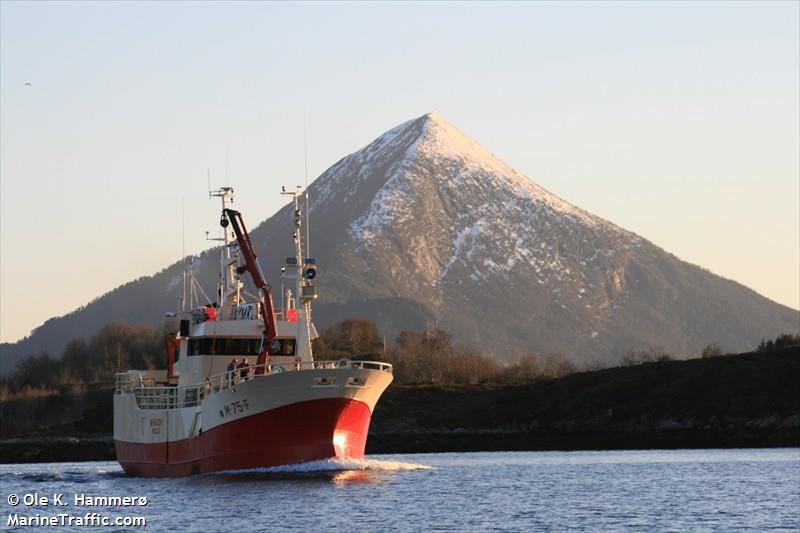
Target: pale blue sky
[{"x": 679, "y": 121}]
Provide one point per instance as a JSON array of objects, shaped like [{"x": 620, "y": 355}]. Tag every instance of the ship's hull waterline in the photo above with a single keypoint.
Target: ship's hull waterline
[
  {"x": 277, "y": 437},
  {"x": 267, "y": 421}
]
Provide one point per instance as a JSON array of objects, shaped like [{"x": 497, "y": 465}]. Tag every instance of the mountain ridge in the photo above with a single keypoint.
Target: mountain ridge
[{"x": 426, "y": 228}]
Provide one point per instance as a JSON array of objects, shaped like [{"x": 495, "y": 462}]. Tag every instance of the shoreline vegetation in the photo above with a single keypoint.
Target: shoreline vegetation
[{"x": 447, "y": 398}]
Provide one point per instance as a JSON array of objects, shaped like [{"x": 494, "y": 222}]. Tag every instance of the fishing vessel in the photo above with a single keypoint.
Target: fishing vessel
[{"x": 274, "y": 405}]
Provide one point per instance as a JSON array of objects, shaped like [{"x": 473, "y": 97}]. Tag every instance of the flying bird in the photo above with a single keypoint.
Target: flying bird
[{"x": 27, "y": 84}]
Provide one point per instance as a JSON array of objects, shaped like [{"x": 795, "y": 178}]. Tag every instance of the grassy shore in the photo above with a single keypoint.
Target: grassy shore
[
  {"x": 746, "y": 400},
  {"x": 729, "y": 401}
]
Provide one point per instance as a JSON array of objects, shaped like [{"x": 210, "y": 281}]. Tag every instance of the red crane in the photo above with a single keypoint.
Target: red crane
[{"x": 252, "y": 266}]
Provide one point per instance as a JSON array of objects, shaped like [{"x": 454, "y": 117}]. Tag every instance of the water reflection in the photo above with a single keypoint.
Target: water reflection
[{"x": 349, "y": 477}]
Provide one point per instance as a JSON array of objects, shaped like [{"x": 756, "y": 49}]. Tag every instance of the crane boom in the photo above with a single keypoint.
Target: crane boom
[{"x": 254, "y": 269}]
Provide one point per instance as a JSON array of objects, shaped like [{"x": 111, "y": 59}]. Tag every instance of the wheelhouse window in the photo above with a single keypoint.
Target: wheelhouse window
[{"x": 224, "y": 346}]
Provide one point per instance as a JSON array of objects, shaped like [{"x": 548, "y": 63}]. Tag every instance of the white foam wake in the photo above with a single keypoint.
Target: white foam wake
[{"x": 340, "y": 465}]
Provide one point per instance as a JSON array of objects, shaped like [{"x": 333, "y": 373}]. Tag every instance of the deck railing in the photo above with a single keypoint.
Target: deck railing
[{"x": 149, "y": 395}]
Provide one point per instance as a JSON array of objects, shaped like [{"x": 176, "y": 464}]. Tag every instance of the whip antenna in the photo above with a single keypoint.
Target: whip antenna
[
  {"x": 308, "y": 207},
  {"x": 183, "y": 254},
  {"x": 227, "y": 153}
]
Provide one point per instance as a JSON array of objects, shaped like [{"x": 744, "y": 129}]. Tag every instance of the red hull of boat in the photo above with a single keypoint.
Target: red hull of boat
[{"x": 296, "y": 433}]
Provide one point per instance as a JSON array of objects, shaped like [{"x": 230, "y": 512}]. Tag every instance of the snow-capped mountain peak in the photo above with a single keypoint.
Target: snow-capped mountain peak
[
  {"x": 428, "y": 214},
  {"x": 431, "y": 165}
]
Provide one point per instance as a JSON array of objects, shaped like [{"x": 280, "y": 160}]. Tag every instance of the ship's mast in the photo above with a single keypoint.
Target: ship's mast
[
  {"x": 229, "y": 288},
  {"x": 305, "y": 290}
]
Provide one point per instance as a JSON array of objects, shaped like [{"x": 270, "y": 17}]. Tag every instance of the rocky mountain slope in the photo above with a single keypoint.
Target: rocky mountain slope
[{"x": 425, "y": 228}]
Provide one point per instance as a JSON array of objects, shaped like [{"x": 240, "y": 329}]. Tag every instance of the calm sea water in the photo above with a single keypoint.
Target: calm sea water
[{"x": 683, "y": 490}]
